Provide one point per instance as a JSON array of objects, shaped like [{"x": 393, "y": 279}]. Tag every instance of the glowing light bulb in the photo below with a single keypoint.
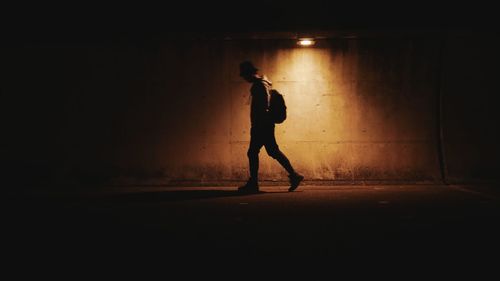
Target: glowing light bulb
[{"x": 306, "y": 42}]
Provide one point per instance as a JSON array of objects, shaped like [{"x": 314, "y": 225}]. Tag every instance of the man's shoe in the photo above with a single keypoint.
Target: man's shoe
[
  {"x": 249, "y": 187},
  {"x": 295, "y": 181}
]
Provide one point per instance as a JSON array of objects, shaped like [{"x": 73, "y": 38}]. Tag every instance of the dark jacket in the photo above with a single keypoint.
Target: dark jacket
[{"x": 259, "y": 109}]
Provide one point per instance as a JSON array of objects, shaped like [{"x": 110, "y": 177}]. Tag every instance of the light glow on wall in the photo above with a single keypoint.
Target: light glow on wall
[{"x": 353, "y": 111}]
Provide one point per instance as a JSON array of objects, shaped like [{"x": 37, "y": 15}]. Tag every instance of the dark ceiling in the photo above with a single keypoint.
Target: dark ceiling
[{"x": 104, "y": 22}]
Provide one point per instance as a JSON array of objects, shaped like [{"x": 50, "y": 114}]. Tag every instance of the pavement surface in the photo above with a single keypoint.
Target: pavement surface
[{"x": 326, "y": 229}]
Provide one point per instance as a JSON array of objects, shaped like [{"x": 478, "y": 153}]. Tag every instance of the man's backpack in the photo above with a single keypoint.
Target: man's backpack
[{"x": 277, "y": 107}]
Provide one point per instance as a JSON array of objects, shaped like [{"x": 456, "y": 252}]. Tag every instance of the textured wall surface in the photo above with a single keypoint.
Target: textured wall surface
[
  {"x": 470, "y": 93},
  {"x": 358, "y": 109}
]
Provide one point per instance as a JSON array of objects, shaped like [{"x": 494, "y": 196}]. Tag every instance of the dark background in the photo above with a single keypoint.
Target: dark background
[
  {"x": 120, "y": 23},
  {"x": 32, "y": 34},
  {"x": 39, "y": 29}
]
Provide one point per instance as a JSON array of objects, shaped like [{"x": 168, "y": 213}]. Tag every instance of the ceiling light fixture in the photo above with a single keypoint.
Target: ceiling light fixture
[{"x": 306, "y": 42}]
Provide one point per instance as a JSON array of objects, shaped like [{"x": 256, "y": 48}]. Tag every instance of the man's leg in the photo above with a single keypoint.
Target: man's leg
[
  {"x": 253, "y": 161},
  {"x": 276, "y": 153},
  {"x": 273, "y": 150}
]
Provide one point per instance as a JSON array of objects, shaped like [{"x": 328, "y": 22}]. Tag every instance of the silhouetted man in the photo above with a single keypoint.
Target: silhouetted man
[{"x": 262, "y": 130}]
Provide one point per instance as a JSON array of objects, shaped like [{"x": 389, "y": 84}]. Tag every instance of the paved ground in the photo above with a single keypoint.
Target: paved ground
[{"x": 416, "y": 226}]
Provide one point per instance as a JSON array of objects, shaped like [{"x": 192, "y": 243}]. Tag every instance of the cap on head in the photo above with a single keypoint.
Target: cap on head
[{"x": 247, "y": 68}]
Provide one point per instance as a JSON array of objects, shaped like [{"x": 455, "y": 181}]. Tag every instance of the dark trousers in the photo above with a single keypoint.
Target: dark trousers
[{"x": 264, "y": 136}]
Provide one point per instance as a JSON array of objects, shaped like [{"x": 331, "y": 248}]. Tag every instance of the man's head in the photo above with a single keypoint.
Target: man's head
[{"x": 248, "y": 70}]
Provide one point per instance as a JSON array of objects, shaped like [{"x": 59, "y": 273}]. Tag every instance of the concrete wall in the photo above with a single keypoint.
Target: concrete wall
[
  {"x": 358, "y": 109},
  {"x": 470, "y": 90}
]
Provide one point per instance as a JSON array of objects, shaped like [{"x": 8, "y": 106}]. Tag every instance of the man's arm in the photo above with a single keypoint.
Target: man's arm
[{"x": 260, "y": 102}]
